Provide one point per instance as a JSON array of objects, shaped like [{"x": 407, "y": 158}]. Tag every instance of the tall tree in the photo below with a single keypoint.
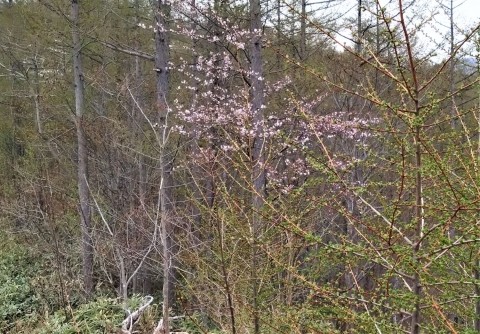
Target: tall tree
[
  {"x": 358, "y": 45},
  {"x": 82, "y": 153},
  {"x": 162, "y": 57},
  {"x": 452, "y": 67},
  {"x": 303, "y": 30},
  {"x": 258, "y": 152}
]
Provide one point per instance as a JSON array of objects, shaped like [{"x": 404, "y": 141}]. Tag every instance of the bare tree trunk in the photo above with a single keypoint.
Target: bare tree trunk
[
  {"x": 228, "y": 289},
  {"x": 162, "y": 54},
  {"x": 36, "y": 97},
  {"x": 279, "y": 32},
  {"x": 358, "y": 45},
  {"x": 452, "y": 73},
  {"x": 476, "y": 263},
  {"x": 377, "y": 33},
  {"x": 419, "y": 204},
  {"x": 303, "y": 31},
  {"x": 258, "y": 154},
  {"x": 138, "y": 118},
  {"x": 417, "y": 127},
  {"x": 197, "y": 193},
  {"x": 476, "y": 275},
  {"x": 417, "y": 285},
  {"x": 82, "y": 156},
  {"x": 142, "y": 281}
]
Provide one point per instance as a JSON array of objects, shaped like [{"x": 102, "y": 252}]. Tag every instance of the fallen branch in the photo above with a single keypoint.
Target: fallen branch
[
  {"x": 132, "y": 318},
  {"x": 160, "y": 330}
]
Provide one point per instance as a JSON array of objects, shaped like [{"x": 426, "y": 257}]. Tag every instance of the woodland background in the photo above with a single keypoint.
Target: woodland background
[{"x": 241, "y": 163}]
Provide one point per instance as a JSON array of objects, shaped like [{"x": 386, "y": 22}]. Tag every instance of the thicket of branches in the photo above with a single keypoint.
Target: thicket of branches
[{"x": 243, "y": 167}]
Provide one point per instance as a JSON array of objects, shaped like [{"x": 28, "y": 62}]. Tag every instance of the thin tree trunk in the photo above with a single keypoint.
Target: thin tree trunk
[
  {"x": 138, "y": 118},
  {"x": 419, "y": 200},
  {"x": 279, "y": 32},
  {"x": 476, "y": 263},
  {"x": 82, "y": 156},
  {"x": 196, "y": 171},
  {"x": 141, "y": 282},
  {"x": 476, "y": 275},
  {"x": 377, "y": 37},
  {"x": 417, "y": 285},
  {"x": 359, "y": 27},
  {"x": 303, "y": 31},
  {"x": 228, "y": 289},
  {"x": 162, "y": 55},
  {"x": 36, "y": 98},
  {"x": 452, "y": 72},
  {"x": 258, "y": 154}
]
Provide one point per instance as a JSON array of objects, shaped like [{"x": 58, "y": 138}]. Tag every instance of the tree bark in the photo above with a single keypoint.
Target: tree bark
[{"x": 82, "y": 155}]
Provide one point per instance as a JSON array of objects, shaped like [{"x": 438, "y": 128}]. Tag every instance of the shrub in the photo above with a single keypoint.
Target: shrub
[
  {"x": 103, "y": 315},
  {"x": 17, "y": 296}
]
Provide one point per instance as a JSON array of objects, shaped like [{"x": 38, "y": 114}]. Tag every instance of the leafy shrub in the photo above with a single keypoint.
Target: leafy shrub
[
  {"x": 17, "y": 297},
  {"x": 103, "y": 315},
  {"x": 100, "y": 316}
]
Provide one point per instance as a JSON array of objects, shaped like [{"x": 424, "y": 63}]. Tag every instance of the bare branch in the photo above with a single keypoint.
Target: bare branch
[{"x": 128, "y": 51}]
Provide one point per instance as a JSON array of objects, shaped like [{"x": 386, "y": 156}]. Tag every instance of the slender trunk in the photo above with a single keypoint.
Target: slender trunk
[
  {"x": 225, "y": 275},
  {"x": 452, "y": 70},
  {"x": 303, "y": 31},
  {"x": 141, "y": 282},
  {"x": 218, "y": 84},
  {"x": 359, "y": 27},
  {"x": 36, "y": 98},
  {"x": 138, "y": 118},
  {"x": 258, "y": 153},
  {"x": 279, "y": 32},
  {"x": 162, "y": 55},
  {"x": 377, "y": 37},
  {"x": 419, "y": 200},
  {"x": 476, "y": 263},
  {"x": 82, "y": 156},
  {"x": 476, "y": 275},
  {"x": 196, "y": 170},
  {"x": 417, "y": 285},
  {"x": 123, "y": 288}
]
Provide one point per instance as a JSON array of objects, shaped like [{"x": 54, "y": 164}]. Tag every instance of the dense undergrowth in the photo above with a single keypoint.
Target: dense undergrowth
[{"x": 29, "y": 302}]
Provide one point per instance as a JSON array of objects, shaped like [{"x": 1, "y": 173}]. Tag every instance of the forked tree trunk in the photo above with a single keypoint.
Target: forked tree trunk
[{"x": 82, "y": 155}]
